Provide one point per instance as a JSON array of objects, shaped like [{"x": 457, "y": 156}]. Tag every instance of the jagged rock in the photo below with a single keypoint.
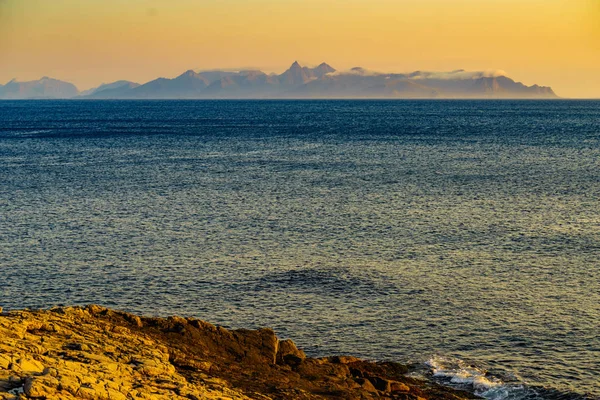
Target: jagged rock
[
  {"x": 367, "y": 385},
  {"x": 97, "y": 353},
  {"x": 398, "y": 387},
  {"x": 78, "y": 346},
  {"x": 95, "y": 309},
  {"x": 380, "y": 384},
  {"x": 27, "y": 365},
  {"x": 288, "y": 353},
  {"x": 42, "y": 386},
  {"x": 343, "y": 359}
]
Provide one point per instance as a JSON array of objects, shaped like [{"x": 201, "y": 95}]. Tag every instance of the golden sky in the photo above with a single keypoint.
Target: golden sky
[{"x": 550, "y": 42}]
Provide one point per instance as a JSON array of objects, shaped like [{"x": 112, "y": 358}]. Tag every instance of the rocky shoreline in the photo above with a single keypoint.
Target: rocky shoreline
[{"x": 97, "y": 353}]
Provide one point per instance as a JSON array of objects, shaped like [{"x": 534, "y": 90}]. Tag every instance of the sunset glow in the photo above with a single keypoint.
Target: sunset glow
[{"x": 549, "y": 42}]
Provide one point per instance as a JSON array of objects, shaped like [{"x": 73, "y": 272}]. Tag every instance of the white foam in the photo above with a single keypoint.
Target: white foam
[
  {"x": 27, "y": 133},
  {"x": 17, "y": 391},
  {"x": 474, "y": 378}
]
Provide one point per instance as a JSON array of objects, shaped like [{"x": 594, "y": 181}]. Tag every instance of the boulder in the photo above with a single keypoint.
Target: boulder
[{"x": 288, "y": 353}]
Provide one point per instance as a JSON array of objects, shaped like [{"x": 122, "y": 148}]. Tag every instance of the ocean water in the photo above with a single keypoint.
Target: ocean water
[{"x": 461, "y": 236}]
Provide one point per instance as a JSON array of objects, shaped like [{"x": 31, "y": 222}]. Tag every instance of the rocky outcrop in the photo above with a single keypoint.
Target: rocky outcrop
[{"x": 96, "y": 353}]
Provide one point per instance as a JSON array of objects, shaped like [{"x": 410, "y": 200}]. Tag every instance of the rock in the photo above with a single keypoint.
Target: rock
[
  {"x": 27, "y": 365},
  {"x": 50, "y": 371},
  {"x": 366, "y": 385},
  {"x": 86, "y": 392},
  {"x": 121, "y": 330},
  {"x": 5, "y": 361},
  {"x": 96, "y": 353},
  {"x": 68, "y": 384},
  {"x": 137, "y": 321},
  {"x": 6, "y": 385},
  {"x": 95, "y": 309},
  {"x": 343, "y": 359},
  {"x": 383, "y": 385},
  {"x": 115, "y": 395},
  {"x": 78, "y": 346},
  {"x": 398, "y": 387},
  {"x": 288, "y": 353},
  {"x": 257, "y": 346},
  {"x": 42, "y": 386}
]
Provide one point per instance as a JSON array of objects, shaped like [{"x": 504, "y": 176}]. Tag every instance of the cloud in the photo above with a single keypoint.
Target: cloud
[
  {"x": 459, "y": 74},
  {"x": 359, "y": 71}
]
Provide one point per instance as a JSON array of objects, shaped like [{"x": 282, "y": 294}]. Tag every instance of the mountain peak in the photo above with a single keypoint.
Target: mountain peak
[
  {"x": 296, "y": 67},
  {"x": 110, "y": 89},
  {"x": 295, "y": 75},
  {"x": 194, "y": 80},
  {"x": 188, "y": 73},
  {"x": 323, "y": 69}
]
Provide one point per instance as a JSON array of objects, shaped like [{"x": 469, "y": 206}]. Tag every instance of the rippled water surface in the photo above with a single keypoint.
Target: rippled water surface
[{"x": 466, "y": 233}]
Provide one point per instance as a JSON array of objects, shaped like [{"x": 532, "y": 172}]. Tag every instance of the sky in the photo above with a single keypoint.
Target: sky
[{"x": 87, "y": 42}]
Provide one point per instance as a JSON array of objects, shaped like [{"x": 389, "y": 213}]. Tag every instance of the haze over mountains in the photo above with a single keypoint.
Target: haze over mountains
[
  {"x": 298, "y": 81},
  {"x": 42, "y": 88}
]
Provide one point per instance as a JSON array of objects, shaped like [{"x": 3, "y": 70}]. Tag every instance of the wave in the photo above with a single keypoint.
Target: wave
[
  {"x": 457, "y": 373},
  {"x": 24, "y": 133}
]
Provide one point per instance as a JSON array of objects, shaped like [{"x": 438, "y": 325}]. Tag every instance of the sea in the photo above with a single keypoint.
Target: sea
[{"x": 461, "y": 237}]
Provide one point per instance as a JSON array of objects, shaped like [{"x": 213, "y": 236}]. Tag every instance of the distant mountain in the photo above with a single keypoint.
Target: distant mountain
[
  {"x": 324, "y": 81},
  {"x": 297, "y": 81},
  {"x": 359, "y": 82},
  {"x": 185, "y": 86},
  {"x": 45, "y": 88},
  {"x": 322, "y": 70},
  {"x": 243, "y": 84},
  {"x": 107, "y": 90},
  {"x": 297, "y": 75}
]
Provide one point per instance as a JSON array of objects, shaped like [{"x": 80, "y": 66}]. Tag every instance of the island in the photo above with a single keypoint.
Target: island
[{"x": 297, "y": 82}]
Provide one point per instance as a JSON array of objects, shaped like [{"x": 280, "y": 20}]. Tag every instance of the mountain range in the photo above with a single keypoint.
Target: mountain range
[
  {"x": 42, "y": 88},
  {"x": 298, "y": 81}
]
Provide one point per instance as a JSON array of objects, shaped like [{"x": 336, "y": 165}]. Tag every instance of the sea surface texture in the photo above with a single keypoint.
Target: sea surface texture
[{"x": 463, "y": 236}]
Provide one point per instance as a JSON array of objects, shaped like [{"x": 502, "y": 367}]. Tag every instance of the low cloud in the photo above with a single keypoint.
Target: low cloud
[
  {"x": 356, "y": 71},
  {"x": 460, "y": 74}
]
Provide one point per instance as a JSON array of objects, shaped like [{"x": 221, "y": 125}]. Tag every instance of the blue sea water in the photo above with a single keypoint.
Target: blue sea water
[{"x": 462, "y": 236}]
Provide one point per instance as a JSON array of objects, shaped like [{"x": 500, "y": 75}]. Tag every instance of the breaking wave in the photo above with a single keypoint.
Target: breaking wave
[{"x": 459, "y": 374}]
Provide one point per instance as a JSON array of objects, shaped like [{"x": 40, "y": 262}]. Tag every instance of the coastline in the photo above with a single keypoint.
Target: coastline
[{"x": 97, "y": 353}]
